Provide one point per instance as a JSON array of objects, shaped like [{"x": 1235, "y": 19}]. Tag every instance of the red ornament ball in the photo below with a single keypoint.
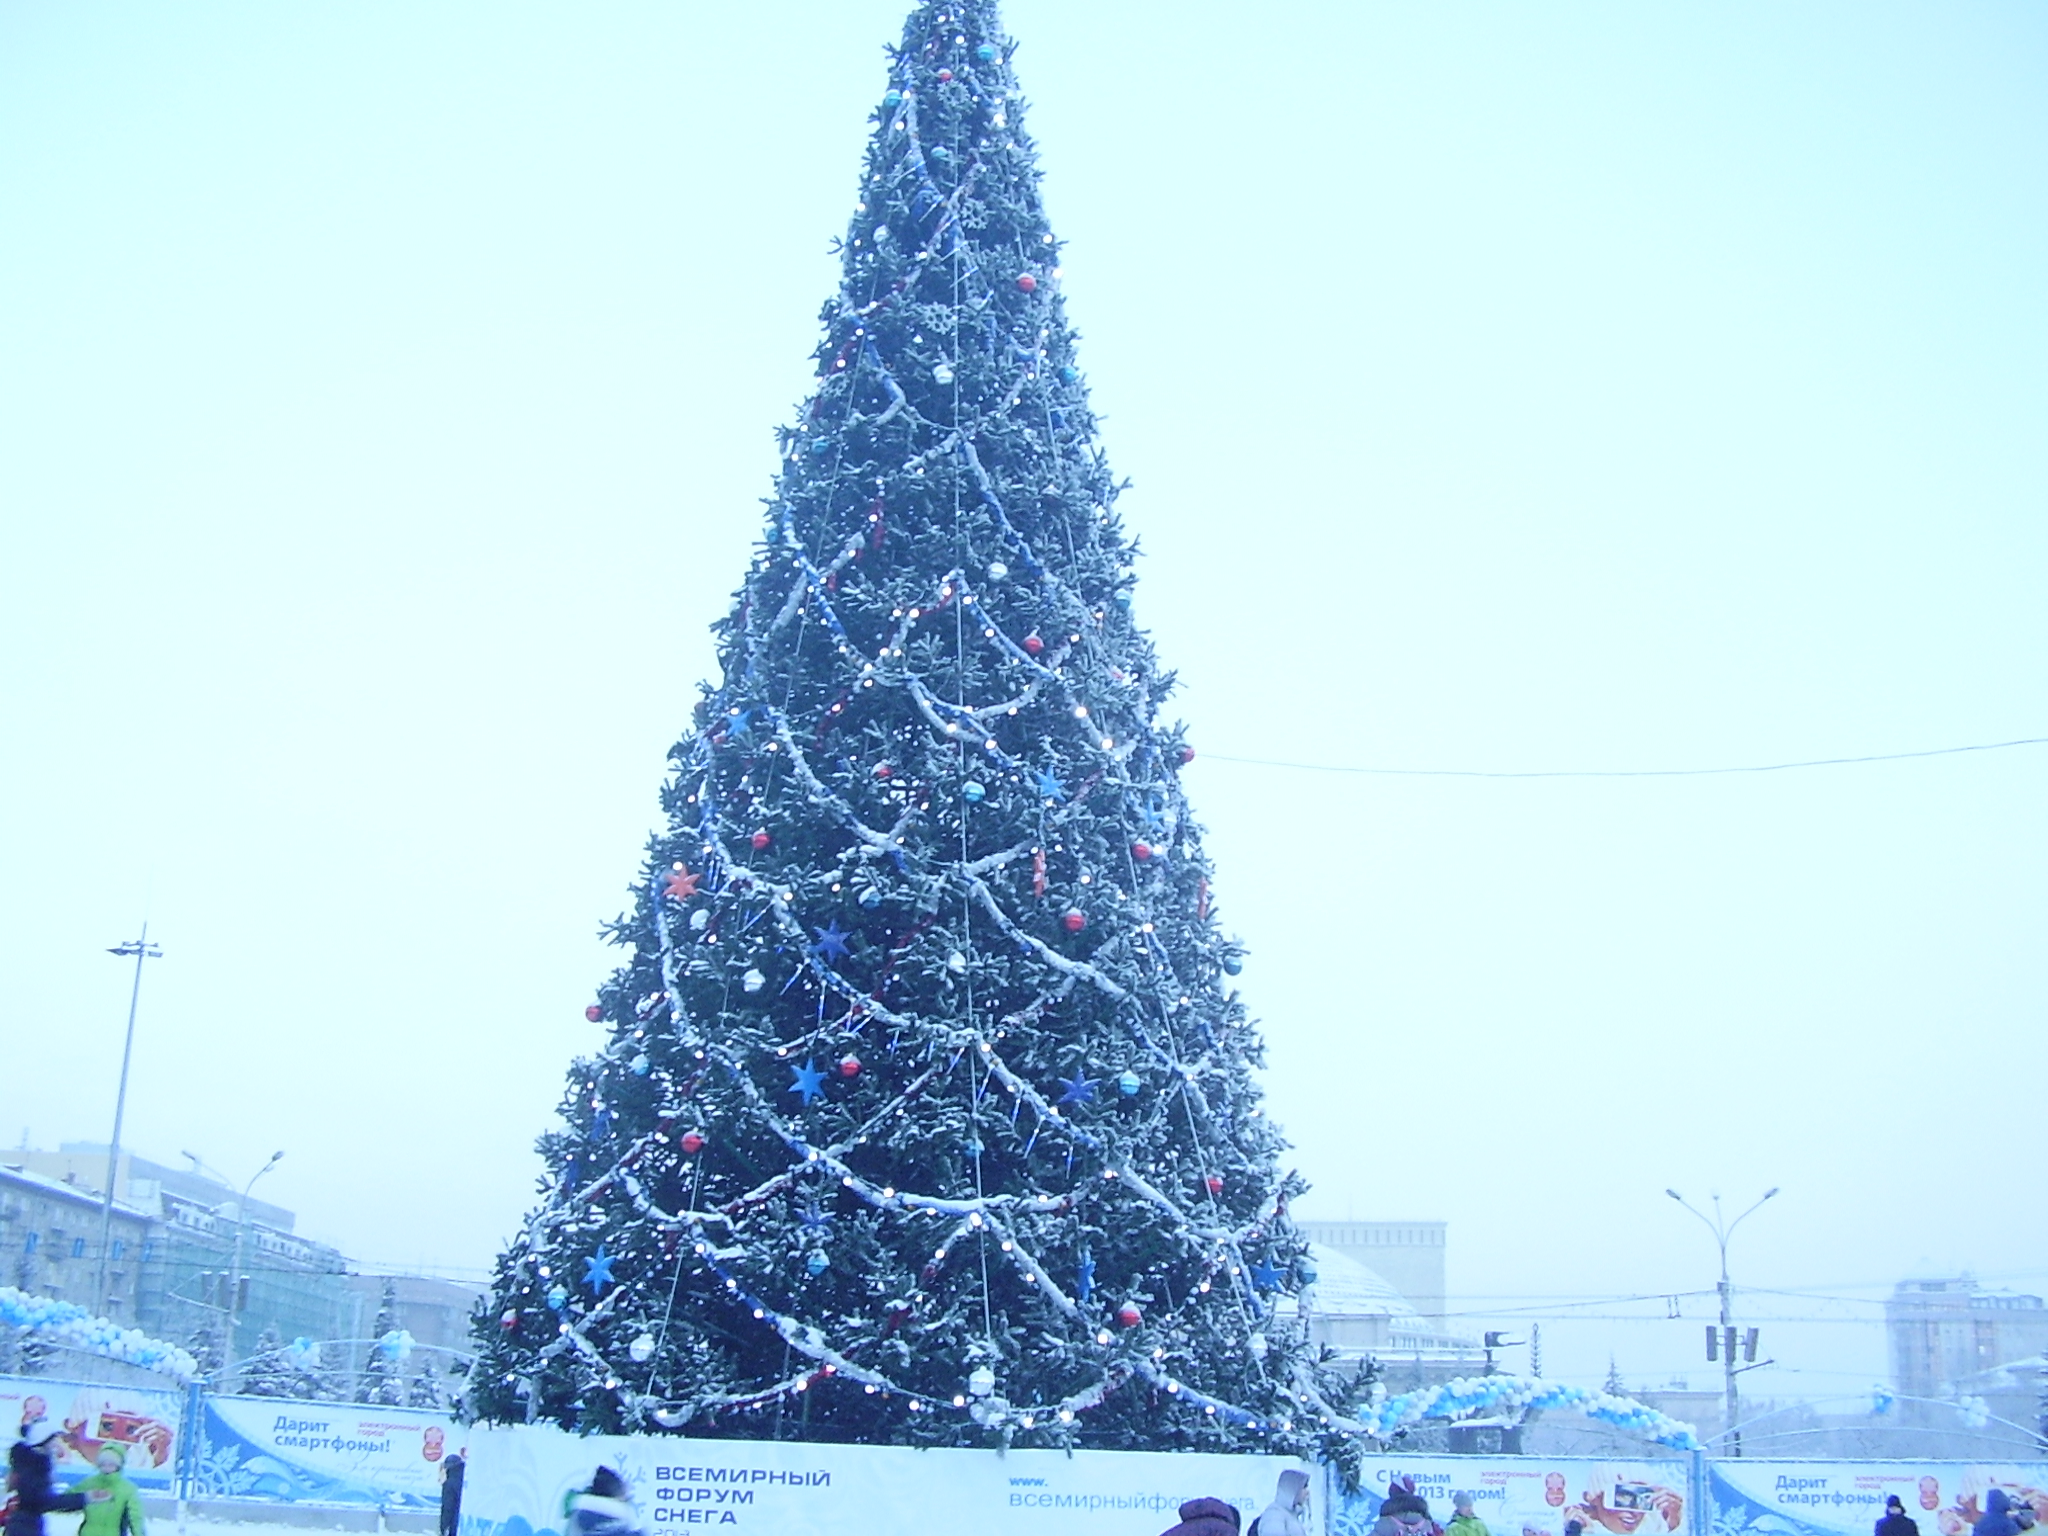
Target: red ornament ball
[
  {"x": 1074, "y": 921},
  {"x": 1141, "y": 851},
  {"x": 1027, "y": 282},
  {"x": 945, "y": 75},
  {"x": 1215, "y": 1183},
  {"x": 884, "y": 771},
  {"x": 1033, "y": 645},
  {"x": 761, "y": 840},
  {"x": 1187, "y": 754},
  {"x": 1129, "y": 1315},
  {"x": 692, "y": 1142},
  {"x": 849, "y": 1066},
  {"x": 509, "y": 1319},
  {"x": 593, "y": 1013}
]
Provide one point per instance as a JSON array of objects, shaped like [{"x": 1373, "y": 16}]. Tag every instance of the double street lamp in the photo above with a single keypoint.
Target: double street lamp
[
  {"x": 233, "y": 1299},
  {"x": 1722, "y": 1231}
]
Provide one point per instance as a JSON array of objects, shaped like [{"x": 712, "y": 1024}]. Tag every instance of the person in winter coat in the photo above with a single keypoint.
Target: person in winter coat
[
  {"x": 113, "y": 1505},
  {"x": 1896, "y": 1521},
  {"x": 1403, "y": 1512},
  {"x": 451, "y": 1494},
  {"x": 31, "y": 1468},
  {"x": 1287, "y": 1515},
  {"x": 602, "y": 1509},
  {"x": 1205, "y": 1517},
  {"x": 1463, "y": 1521},
  {"x": 1997, "y": 1518}
]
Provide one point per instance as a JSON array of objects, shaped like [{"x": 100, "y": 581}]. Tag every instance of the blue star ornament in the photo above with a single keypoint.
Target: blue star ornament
[
  {"x": 1264, "y": 1276},
  {"x": 1050, "y": 787},
  {"x": 1078, "y": 1089},
  {"x": 831, "y": 943},
  {"x": 808, "y": 1081},
  {"x": 739, "y": 723},
  {"x": 597, "y": 1269}
]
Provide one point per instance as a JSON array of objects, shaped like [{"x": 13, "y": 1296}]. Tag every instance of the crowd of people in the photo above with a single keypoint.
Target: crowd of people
[{"x": 2002, "y": 1515}]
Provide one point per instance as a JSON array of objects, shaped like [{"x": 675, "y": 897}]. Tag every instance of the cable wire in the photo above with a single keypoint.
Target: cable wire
[{"x": 1618, "y": 773}]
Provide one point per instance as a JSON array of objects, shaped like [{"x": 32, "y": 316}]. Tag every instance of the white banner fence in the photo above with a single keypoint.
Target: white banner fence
[{"x": 268, "y": 1450}]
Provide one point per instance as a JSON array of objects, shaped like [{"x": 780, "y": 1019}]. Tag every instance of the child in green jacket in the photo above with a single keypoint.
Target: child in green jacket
[
  {"x": 113, "y": 1505},
  {"x": 1463, "y": 1521}
]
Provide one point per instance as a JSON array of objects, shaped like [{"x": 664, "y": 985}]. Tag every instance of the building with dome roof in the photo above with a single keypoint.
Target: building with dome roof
[{"x": 1355, "y": 1311}]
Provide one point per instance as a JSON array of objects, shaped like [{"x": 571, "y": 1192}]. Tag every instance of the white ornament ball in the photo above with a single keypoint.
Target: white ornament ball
[
  {"x": 943, "y": 374},
  {"x": 641, "y": 1349},
  {"x": 982, "y": 1381},
  {"x": 699, "y": 918},
  {"x": 1256, "y": 1346},
  {"x": 997, "y": 570},
  {"x": 752, "y": 979},
  {"x": 956, "y": 963}
]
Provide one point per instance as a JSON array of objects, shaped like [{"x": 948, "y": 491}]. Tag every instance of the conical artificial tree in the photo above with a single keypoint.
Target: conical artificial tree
[{"x": 927, "y": 1114}]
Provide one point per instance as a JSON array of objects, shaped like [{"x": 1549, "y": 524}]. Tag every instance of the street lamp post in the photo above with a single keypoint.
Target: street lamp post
[
  {"x": 142, "y": 950},
  {"x": 229, "y": 1318},
  {"x": 1722, "y": 1232}
]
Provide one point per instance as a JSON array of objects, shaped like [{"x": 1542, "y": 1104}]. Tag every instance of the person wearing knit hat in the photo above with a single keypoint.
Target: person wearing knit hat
[
  {"x": 1896, "y": 1521},
  {"x": 31, "y": 1469},
  {"x": 113, "y": 1505},
  {"x": 1463, "y": 1521}
]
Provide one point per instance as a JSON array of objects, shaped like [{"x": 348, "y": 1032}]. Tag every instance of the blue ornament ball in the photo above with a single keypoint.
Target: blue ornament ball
[
  {"x": 871, "y": 898},
  {"x": 817, "y": 1263},
  {"x": 973, "y": 790},
  {"x": 941, "y": 153},
  {"x": 1128, "y": 1084},
  {"x": 820, "y": 446},
  {"x": 892, "y": 99},
  {"x": 1233, "y": 965},
  {"x": 558, "y": 1296},
  {"x": 986, "y": 53},
  {"x": 1070, "y": 374}
]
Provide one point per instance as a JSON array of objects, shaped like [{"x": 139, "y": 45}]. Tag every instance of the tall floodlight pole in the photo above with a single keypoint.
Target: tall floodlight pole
[
  {"x": 1722, "y": 1232},
  {"x": 142, "y": 950}
]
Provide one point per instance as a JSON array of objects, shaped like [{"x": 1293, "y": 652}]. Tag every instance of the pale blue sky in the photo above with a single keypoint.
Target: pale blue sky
[{"x": 386, "y": 394}]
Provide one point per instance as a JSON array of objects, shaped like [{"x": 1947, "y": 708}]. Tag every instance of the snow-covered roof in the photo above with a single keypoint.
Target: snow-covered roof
[{"x": 1346, "y": 1288}]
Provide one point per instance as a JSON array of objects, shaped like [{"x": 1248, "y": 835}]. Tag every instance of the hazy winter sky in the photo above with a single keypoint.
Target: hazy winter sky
[{"x": 386, "y": 395}]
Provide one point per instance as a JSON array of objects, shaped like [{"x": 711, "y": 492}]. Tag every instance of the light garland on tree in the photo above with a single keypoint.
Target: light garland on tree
[
  {"x": 71, "y": 1326},
  {"x": 724, "y": 910}
]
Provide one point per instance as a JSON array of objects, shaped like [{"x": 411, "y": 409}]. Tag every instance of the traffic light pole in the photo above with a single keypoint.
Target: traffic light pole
[{"x": 1722, "y": 1232}]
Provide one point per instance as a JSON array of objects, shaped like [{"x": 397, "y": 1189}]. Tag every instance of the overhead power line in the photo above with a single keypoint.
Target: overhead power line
[{"x": 1617, "y": 773}]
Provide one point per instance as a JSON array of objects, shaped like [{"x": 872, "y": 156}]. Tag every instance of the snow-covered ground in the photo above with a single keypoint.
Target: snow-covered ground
[{"x": 262, "y": 1520}]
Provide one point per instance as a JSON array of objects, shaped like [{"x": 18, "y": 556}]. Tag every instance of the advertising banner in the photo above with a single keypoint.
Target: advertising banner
[
  {"x": 142, "y": 1421},
  {"x": 1530, "y": 1495},
  {"x": 520, "y": 1476},
  {"x": 1846, "y": 1498},
  {"x": 282, "y": 1449}
]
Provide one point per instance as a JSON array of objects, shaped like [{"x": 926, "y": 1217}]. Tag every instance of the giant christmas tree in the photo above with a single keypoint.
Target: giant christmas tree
[{"x": 927, "y": 1114}]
